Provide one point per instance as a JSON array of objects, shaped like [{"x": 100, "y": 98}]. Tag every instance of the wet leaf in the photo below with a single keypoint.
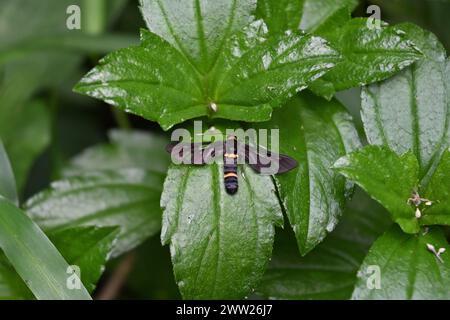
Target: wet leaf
[
  {"x": 7, "y": 180},
  {"x": 316, "y": 13},
  {"x": 252, "y": 74},
  {"x": 128, "y": 198},
  {"x": 329, "y": 271},
  {"x": 88, "y": 248},
  {"x": 407, "y": 269},
  {"x": 34, "y": 257},
  {"x": 316, "y": 133},
  {"x": 220, "y": 244},
  {"x": 386, "y": 177},
  {"x": 438, "y": 191},
  {"x": 369, "y": 54},
  {"x": 411, "y": 110},
  {"x": 280, "y": 15},
  {"x": 197, "y": 28}
]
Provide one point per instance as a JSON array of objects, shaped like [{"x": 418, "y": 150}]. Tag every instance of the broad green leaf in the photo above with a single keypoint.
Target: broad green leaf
[
  {"x": 153, "y": 81},
  {"x": 280, "y": 15},
  {"x": 33, "y": 256},
  {"x": 337, "y": 20},
  {"x": 127, "y": 198},
  {"x": 88, "y": 248},
  {"x": 438, "y": 191},
  {"x": 328, "y": 272},
  {"x": 407, "y": 268},
  {"x": 316, "y": 133},
  {"x": 7, "y": 180},
  {"x": 265, "y": 73},
  {"x": 318, "y": 12},
  {"x": 29, "y": 142},
  {"x": 220, "y": 244},
  {"x": 126, "y": 149},
  {"x": 312, "y": 16},
  {"x": 197, "y": 28},
  {"x": 411, "y": 111},
  {"x": 430, "y": 14},
  {"x": 386, "y": 177},
  {"x": 369, "y": 54},
  {"x": 253, "y": 74}
]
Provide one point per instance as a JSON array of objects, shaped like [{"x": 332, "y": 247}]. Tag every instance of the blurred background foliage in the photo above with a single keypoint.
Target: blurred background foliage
[{"x": 44, "y": 124}]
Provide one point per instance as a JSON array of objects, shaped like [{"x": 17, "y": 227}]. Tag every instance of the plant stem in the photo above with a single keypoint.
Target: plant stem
[
  {"x": 112, "y": 288},
  {"x": 121, "y": 118},
  {"x": 94, "y": 16},
  {"x": 55, "y": 155}
]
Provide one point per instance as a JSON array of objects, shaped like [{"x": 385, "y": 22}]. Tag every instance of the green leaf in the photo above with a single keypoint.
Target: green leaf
[
  {"x": 280, "y": 15},
  {"x": 432, "y": 15},
  {"x": 386, "y": 177},
  {"x": 11, "y": 285},
  {"x": 126, "y": 149},
  {"x": 371, "y": 54},
  {"x": 26, "y": 144},
  {"x": 7, "y": 180},
  {"x": 407, "y": 268},
  {"x": 252, "y": 74},
  {"x": 33, "y": 256},
  {"x": 153, "y": 81},
  {"x": 328, "y": 272},
  {"x": 411, "y": 111},
  {"x": 220, "y": 244},
  {"x": 88, "y": 248},
  {"x": 318, "y": 12},
  {"x": 438, "y": 191},
  {"x": 265, "y": 73},
  {"x": 127, "y": 198},
  {"x": 316, "y": 133},
  {"x": 197, "y": 28},
  {"x": 309, "y": 15}
]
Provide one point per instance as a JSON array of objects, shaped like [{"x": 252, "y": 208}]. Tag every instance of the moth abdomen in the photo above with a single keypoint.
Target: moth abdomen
[{"x": 231, "y": 182}]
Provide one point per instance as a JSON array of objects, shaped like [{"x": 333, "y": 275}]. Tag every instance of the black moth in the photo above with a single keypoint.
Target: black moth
[{"x": 231, "y": 150}]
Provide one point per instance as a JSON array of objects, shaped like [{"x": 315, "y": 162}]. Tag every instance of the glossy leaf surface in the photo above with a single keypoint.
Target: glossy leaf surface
[{"x": 220, "y": 244}]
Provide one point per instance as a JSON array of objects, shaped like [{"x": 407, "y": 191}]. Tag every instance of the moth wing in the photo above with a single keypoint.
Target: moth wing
[
  {"x": 193, "y": 153},
  {"x": 258, "y": 161}
]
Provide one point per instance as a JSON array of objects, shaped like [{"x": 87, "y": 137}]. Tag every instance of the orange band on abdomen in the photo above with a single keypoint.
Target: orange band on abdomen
[{"x": 231, "y": 155}]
